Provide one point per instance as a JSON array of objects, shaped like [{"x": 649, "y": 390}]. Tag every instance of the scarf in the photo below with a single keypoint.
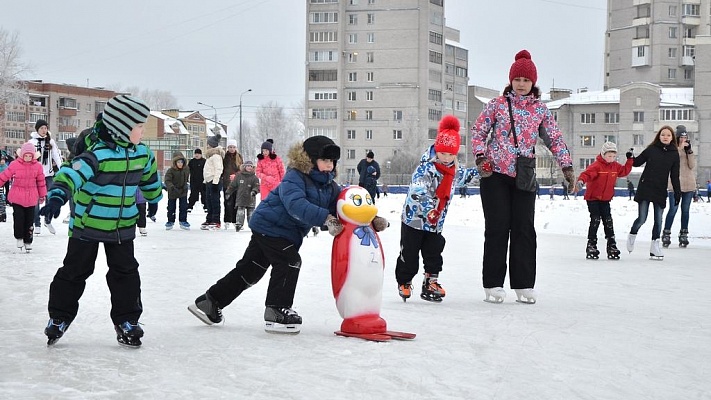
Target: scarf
[{"x": 445, "y": 187}]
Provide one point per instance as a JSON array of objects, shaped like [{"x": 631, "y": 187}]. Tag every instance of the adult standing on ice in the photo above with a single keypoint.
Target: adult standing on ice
[
  {"x": 509, "y": 210},
  {"x": 687, "y": 180}
]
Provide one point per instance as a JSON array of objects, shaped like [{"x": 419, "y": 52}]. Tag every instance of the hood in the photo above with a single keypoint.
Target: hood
[
  {"x": 214, "y": 150},
  {"x": 179, "y": 156}
]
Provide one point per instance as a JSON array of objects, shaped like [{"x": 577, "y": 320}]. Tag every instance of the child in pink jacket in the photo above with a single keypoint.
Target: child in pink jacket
[{"x": 28, "y": 187}]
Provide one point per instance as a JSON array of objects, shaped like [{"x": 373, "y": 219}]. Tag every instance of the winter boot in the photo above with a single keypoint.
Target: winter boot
[
  {"x": 206, "y": 309},
  {"x": 630, "y": 241},
  {"x": 613, "y": 253},
  {"x": 55, "y": 329},
  {"x": 281, "y": 320},
  {"x": 666, "y": 237},
  {"x": 683, "y": 238},
  {"x": 592, "y": 253},
  {"x": 129, "y": 334},
  {"x": 405, "y": 290},
  {"x": 655, "y": 251},
  {"x": 431, "y": 290}
]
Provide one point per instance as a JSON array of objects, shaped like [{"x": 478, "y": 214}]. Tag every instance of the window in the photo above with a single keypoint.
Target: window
[
  {"x": 671, "y": 73},
  {"x": 587, "y": 141},
  {"x": 642, "y": 32},
  {"x": 678, "y": 114},
  {"x": 672, "y": 11},
  {"x": 352, "y": 38},
  {"x": 321, "y": 75},
  {"x": 612, "y": 118},
  {"x": 369, "y": 95},
  {"x": 371, "y": 37},
  {"x": 640, "y": 51},
  {"x": 369, "y": 57},
  {"x": 689, "y": 33},
  {"x": 351, "y": 115},
  {"x": 643, "y": 11},
  {"x": 432, "y": 134},
  {"x": 691, "y": 10},
  {"x": 369, "y": 134},
  {"x": 352, "y": 19},
  {"x": 369, "y": 115},
  {"x": 351, "y": 155},
  {"x": 434, "y": 114},
  {"x": 460, "y": 105},
  {"x": 371, "y": 18},
  {"x": 638, "y": 116},
  {"x": 14, "y": 134},
  {"x": 587, "y": 118},
  {"x": 435, "y": 38},
  {"x": 351, "y": 134},
  {"x": 371, "y": 2},
  {"x": 324, "y": 113},
  {"x": 435, "y": 57},
  {"x": 672, "y": 52},
  {"x": 397, "y": 115},
  {"x": 324, "y": 17},
  {"x": 369, "y": 76},
  {"x": 688, "y": 74},
  {"x": 328, "y": 132},
  {"x": 397, "y": 134},
  {"x": 585, "y": 162},
  {"x": 323, "y": 37},
  {"x": 434, "y": 95},
  {"x": 611, "y": 138},
  {"x": 638, "y": 140},
  {"x": 672, "y": 32},
  {"x": 689, "y": 51},
  {"x": 15, "y": 116},
  {"x": 352, "y": 57},
  {"x": 352, "y": 96},
  {"x": 461, "y": 72},
  {"x": 352, "y": 76},
  {"x": 325, "y": 55}
]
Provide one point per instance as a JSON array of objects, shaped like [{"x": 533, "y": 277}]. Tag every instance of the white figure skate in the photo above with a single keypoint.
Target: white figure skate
[
  {"x": 495, "y": 295},
  {"x": 526, "y": 296}
]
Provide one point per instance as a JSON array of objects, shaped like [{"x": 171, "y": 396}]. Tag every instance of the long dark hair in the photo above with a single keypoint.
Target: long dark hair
[
  {"x": 535, "y": 91},
  {"x": 657, "y": 142}
]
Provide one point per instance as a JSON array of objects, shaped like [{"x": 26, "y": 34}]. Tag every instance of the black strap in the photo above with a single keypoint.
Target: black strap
[{"x": 513, "y": 127}]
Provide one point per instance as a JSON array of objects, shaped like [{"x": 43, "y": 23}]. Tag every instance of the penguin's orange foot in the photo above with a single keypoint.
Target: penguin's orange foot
[{"x": 364, "y": 324}]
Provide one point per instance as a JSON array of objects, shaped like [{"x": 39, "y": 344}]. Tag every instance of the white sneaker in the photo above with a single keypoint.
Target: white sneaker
[
  {"x": 50, "y": 228},
  {"x": 498, "y": 294},
  {"x": 527, "y": 296},
  {"x": 20, "y": 243},
  {"x": 630, "y": 241},
  {"x": 655, "y": 250}
]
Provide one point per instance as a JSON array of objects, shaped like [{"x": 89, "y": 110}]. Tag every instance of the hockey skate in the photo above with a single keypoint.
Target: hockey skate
[
  {"x": 405, "y": 290},
  {"x": 666, "y": 237},
  {"x": 683, "y": 238},
  {"x": 526, "y": 296},
  {"x": 129, "y": 334},
  {"x": 630, "y": 241},
  {"x": 206, "y": 309},
  {"x": 655, "y": 251},
  {"x": 431, "y": 290},
  {"x": 281, "y": 320},
  {"x": 592, "y": 253},
  {"x": 613, "y": 253},
  {"x": 495, "y": 295},
  {"x": 55, "y": 330}
]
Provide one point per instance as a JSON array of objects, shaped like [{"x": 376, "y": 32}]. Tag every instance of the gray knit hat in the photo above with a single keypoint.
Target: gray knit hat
[
  {"x": 122, "y": 113},
  {"x": 214, "y": 140},
  {"x": 608, "y": 147}
]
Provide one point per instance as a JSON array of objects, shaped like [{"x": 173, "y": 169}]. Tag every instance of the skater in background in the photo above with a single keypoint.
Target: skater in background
[
  {"x": 243, "y": 191},
  {"x": 29, "y": 188},
  {"x": 231, "y": 166},
  {"x": 369, "y": 172},
  {"x": 384, "y": 189},
  {"x": 3, "y": 189},
  {"x": 270, "y": 169},
  {"x": 565, "y": 191},
  {"x": 196, "y": 165},
  {"x": 551, "y": 192},
  {"x": 599, "y": 179},
  {"x": 708, "y": 191},
  {"x": 104, "y": 193},
  {"x": 50, "y": 157},
  {"x": 424, "y": 211},
  {"x": 661, "y": 163},
  {"x": 630, "y": 188},
  {"x": 687, "y": 180},
  {"x": 464, "y": 176},
  {"x": 306, "y": 197},
  {"x": 177, "y": 180},
  {"x": 212, "y": 175},
  {"x": 509, "y": 211}
]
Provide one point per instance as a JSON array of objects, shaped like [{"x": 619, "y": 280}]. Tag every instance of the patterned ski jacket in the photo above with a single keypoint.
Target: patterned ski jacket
[
  {"x": 270, "y": 171},
  {"x": 28, "y": 183},
  {"x": 600, "y": 178},
  {"x": 421, "y": 195},
  {"x": 533, "y": 120},
  {"x": 103, "y": 182}
]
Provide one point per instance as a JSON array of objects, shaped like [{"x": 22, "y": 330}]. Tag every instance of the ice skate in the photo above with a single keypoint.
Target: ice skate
[
  {"x": 405, "y": 290},
  {"x": 169, "y": 225},
  {"x": 495, "y": 295},
  {"x": 630, "y": 241},
  {"x": 526, "y": 296},
  {"x": 28, "y": 246},
  {"x": 431, "y": 289},
  {"x": 281, "y": 320},
  {"x": 666, "y": 238},
  {"x": 55, "y": 329},
  {"x": 683, "y": 238},
  {"x": 185, "y": 225},
  {"x": 206, "y": 309},
  {"x": 655, "y": 251},
  {"x": 228, "y": 226},
  {"x": 613, "y": 253},
  {"x": 143, "y": 231},
  {"x": 20, "y": 243},
  {"x": 66, "y": 219},
  {"x": 129, "y": 334},
  {"x": 592, "y": 253},
  {"x": 50, "y": 228},
  {"x": 37, "y": 230}
]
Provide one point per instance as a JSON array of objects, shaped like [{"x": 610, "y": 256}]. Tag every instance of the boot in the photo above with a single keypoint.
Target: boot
[
  {"x": 206, "y": 309},
  {"x": 431, "y": 289},
  {"x": 666, "y": 237},
  {"x": 655, "y": 250},
  {"x": 683, "y": 238},
  {"x": 613, "y": 253},
  {"x": 592, "y": 253},
  {"x": 630, "y": 241}
]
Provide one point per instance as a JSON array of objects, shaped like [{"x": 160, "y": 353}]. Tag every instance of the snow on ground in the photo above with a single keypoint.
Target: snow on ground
[{"x": 627, "y": 329}]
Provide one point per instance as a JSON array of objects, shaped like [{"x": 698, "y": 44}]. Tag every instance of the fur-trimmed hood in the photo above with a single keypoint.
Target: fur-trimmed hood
[
  {"x": 214, "y": 150},
  {"x": 300, "y": 161}
]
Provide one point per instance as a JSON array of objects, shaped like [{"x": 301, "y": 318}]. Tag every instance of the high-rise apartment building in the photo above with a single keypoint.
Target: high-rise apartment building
[{"x": 380, "y": 75}]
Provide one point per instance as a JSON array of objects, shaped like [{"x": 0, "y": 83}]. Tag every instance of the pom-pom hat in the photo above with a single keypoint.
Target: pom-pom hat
[
  {"x": 448, "y": 138},
  {"x": 214, "y": 140},
  {"x": 267, "y": 145},
  {"x": 28, "y": 148},
  {"x": 523, "y": 67}
]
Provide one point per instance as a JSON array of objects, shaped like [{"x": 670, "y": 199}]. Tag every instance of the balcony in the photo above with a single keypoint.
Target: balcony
[
  {"x": 692, "y": 20},
  {"x": 67, "y": 112},
  {"x": 640, "y": 2},
  {"x": 641, "y": 21},
  {"x": 67, "y": 128},
  {"x": 687, "y": 61}
]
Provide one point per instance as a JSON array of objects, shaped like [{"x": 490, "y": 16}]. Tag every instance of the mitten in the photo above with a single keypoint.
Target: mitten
[
  {"x": 380, "y": 223},
  {"x": 433, "y": 217},
  {"x": 687, "y": 148},
  {"x": 570, "y": 178},
  {"x": 52, "y": 208},
  {"x": 334, "y": 226},
  {"x": 629, "y": 154},
  {"x": 483, "y": 165},
  {"x": 677, "y": 198}
]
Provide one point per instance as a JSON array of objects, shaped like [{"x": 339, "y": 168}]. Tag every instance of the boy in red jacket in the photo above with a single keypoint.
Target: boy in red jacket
[{"x": 600, "y": 178}]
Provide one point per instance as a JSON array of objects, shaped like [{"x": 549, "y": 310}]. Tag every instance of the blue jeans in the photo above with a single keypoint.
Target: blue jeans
[
  {"x": 642, "y": 217},
  {"x": 685, "y": 203},
  {"x": 182, "y": 209},
  {"x": 213, "y": 202}
]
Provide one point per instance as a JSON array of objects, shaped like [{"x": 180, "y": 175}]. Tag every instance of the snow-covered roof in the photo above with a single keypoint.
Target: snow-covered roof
[
  {"x": 611, "y": 96},
  {"x": 169, "y": 122},
  {"x": 675, "y": 97}
]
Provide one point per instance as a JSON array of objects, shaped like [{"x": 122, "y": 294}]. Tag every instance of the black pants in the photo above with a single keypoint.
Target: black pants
[
  {"x": 262, "y": 252},
  {"x": 412, "y": 242},
  {"x": 22, "y": 222},
  {"x": 508, "y": 226},
  {"x": 141, "y": 223},
  {"x": 197, "y": 190},
  {"x": 230, "y": 214},
  {"x": 600, "y": 211},
  {"x": 122, "y": 278}
]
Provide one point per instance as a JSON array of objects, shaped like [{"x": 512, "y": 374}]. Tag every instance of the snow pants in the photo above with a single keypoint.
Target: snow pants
[
  {"x": 22, "y": 218},
  {"x": 262, "y": 252},
  {"x": 122, "y": 278},
  {"x": 508, "y": 227},
  {"x": 412, "y": 242}
]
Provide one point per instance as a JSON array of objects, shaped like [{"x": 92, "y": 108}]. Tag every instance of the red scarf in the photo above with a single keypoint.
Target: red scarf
[{"x": 444, "y": 190}]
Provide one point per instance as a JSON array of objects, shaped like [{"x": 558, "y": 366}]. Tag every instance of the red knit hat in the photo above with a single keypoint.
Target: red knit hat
[
  {"x": 448, "y": 138},
  {"x": 523, "y": 67}
]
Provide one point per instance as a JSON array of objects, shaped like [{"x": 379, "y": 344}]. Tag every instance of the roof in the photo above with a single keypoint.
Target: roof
[
  {"x": 170, "y": 121},
  {"x": 669, "y": 97}
]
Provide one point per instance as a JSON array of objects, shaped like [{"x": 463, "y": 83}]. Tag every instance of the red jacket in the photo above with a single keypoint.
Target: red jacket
[{"x": 600, "y": 178}]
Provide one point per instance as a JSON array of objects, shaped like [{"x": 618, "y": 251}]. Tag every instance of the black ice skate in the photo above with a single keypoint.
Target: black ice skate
[
  {"x": 613, "y": 253},
  {"x": 281, "y": 320},
  {"x": 431, "y": 290},
  {"x": 591, "y": 252},
  {"x": 129, "y": 334},
  {"x": 666, "y": 237},
  {"x": 206, "y": 309},
  {"x": 55, "y": 329},
  {"x": 683, "y": 238}
]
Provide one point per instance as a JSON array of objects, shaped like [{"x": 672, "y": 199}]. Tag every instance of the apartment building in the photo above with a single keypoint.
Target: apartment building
[{"x": 380, "y": 75}]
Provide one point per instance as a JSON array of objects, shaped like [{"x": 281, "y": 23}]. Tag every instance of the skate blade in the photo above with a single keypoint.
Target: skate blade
[
  {"x": 656, "y": 258},
  {"x": 290, "y": 329},
  {"x": 495, "y": 300},
  {"x": 526, "y": 301},
  {"x": 129, "y": 343},
  {"x": 199, "y": 314},
  {"x": 52, "y": 341}
]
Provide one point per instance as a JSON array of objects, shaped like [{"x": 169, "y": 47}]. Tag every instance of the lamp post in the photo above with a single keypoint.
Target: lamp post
[
  {"x": 207, "y": 105},
  {"x": 240, "y": 120}
]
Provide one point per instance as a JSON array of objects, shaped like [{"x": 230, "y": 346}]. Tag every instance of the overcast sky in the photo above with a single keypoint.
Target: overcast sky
[{"x": 212, "y": 51}]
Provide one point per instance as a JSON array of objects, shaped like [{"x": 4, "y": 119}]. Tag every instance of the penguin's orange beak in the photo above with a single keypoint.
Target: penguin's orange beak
[{"x": 362, "y": 214}]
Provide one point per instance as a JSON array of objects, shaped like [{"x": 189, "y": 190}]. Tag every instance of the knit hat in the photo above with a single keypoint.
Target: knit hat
[
  {"x": 523, "y": 67},
  {"x": 248, "y": 164},
  {"x": 448, "y": 138},
  {"x": 681, "y": 131},
  {"x": 370, "y": 154},
  {"x": 122, "y": 113},
  {"x": 321, "y": 147},
  {"x": 197, "y": 151},
  {"x": 231, "y": 142},
  {"x": 267, "y": 145},
  {"x": 214, "y": 140},
  {"x": 28, "y": 148},
  {"x": 608, "y": 147},
  {"x": 40, "y": 123}
]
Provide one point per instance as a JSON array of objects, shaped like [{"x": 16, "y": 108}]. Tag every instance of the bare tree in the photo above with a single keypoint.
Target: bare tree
[
  {"x": 403, "y": 162},
  {"x": 159, "y": 99},
  {"x": 12, "y": 88},
  {"x": 274, "y": 123}
]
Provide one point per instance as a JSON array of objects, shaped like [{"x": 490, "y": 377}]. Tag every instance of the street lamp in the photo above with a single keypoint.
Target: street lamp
[
  {"x": 207, "y": 105},
  {"x": 240, "y": 121}
]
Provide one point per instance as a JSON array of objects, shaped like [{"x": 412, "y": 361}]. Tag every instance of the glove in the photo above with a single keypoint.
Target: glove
[
  {"x": 677, "y": 198},
  {"x": 254, "y": 194},
  {"x": 433, "y": 217},
  {"x": 53, "y": 207},
  {"x": 579, "y": 186},
  {"x": 570, "y": 178},
  {"x": 335, "y": 227},
  {"x": 483, "y": 165},
  {"x": 629, "y": 154},
  {"x": 687, "y": 148},
  {"x": 380, "y": 223}
]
